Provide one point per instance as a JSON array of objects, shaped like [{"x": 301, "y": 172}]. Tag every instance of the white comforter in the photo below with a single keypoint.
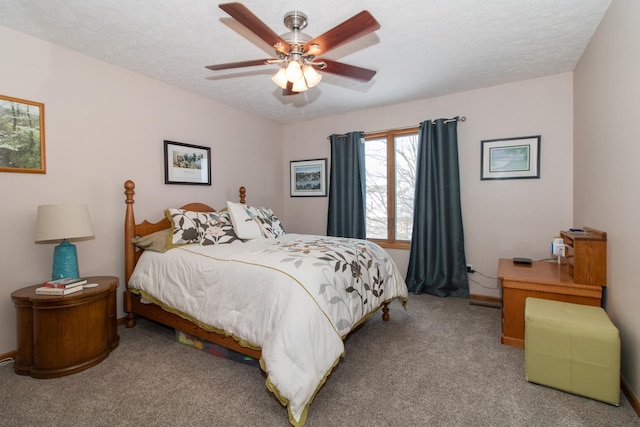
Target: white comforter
[{"x": 295, "y": 297}]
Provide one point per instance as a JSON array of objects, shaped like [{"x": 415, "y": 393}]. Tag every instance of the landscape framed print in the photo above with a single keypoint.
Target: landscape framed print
[
  {"x": 309, "y": 178},
  {"x": 186, "y": 164},
  {"x": 510, "y": 158},
  {"x": 21, "y": 136}
]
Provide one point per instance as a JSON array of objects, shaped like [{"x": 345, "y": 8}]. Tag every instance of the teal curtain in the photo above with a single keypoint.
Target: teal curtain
[
  {"x": 347, "y": 186},
  {"x": 437, "y": 263}
]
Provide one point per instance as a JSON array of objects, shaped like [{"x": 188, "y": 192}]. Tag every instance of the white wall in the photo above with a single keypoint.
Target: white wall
[
  {"x": 104, "y": 125},
  {"x": 606, "y": 153},
  {"x": 502, "y": 219}
]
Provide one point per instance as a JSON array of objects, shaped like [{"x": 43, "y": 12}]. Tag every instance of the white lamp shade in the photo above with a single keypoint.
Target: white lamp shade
[
  {"x": 280, "y": 78},
  {"x": 294, "y": 72},
  {"x": 299, "y": 85},
  {"x": 311, "y": 76},
  {"x": 58, "y": 222}
]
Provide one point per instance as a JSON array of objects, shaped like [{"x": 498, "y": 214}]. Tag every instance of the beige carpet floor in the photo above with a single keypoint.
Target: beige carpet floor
[{"x": 439, "y": 363}]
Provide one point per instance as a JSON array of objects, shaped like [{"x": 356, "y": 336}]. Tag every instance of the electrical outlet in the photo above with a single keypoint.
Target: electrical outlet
[{"x": 470, "y": 268}]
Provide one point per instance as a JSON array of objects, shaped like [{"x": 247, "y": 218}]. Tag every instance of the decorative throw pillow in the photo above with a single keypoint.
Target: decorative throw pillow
[
  {"x": 245, "y": 221},
  {"x": 186, "y": 226},
  {"x": 219, "y": 230},
  {"x": 271, "y": 224},
  {"x": 156, "y": 242}
]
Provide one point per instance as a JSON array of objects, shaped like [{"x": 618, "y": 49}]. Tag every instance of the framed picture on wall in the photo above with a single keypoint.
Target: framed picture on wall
[
  {"x": 186, "y": 164},
  {"x": 309, "y": 178},
  {"x": 21, "y": 136},
  {"x": 510, "y": 158}
]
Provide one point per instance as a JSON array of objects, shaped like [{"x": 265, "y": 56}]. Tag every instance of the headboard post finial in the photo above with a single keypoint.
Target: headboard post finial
[
  {"x": 129, "y": 187},
  {"x": 129, "y": 230},
  {"x": 243, "y": 194}
]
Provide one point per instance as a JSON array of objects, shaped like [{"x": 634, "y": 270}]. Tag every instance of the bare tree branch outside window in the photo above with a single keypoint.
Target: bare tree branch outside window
[
  {"x": 376, "y": 170},
  {"x": 402, "y": 154}
]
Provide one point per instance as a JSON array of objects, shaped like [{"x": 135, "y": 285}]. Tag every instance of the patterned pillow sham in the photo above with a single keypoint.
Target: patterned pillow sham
[
  {"x": 186, "y": 226},
  {"x": 271, "y": 224},
  {"x": 218, "y": 229}
]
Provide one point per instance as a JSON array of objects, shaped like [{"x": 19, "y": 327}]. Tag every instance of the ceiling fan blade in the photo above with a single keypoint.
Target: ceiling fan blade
[
  {"x": 355, "y": 27},
  {"x": 346, "y": 70},
  {"x": 244, "y": 16},
  {"x": 239, "y": 64}
]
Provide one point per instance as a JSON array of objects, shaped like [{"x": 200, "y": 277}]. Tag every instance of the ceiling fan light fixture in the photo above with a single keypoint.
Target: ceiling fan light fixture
[
  {"x": 299, "y": 85},
  {"x": 294, "y": 72},
  {"x": 311, "y": 76},
  {"x": 280, "y": 78}
]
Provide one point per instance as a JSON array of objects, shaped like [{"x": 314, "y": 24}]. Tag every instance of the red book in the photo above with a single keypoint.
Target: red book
[{"x": 64, "y": 283}]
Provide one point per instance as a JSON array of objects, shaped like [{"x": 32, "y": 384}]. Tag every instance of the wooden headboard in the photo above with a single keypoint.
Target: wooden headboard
[{"x": 131, "y": 229}]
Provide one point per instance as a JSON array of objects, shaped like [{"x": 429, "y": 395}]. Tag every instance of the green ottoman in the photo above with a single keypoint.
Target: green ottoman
[{"x": 572, "y": 347}]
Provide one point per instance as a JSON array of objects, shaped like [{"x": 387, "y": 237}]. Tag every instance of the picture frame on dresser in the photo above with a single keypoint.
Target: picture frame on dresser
[
  {"x": 510, "y": 158},
  {"x": 22, "y": 147},
  {"x": 186, "y": 163}
]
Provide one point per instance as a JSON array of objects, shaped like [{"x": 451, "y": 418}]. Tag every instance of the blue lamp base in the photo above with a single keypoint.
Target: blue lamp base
[{"x": 65, "y": 261}]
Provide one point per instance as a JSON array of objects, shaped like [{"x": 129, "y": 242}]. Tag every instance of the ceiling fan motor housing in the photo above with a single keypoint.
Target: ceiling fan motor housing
[{"x": 295, "y": 21}]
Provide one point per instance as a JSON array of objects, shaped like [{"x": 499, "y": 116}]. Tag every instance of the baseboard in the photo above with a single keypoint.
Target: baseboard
[
  {"x": 485, "y": 301},
  {"x": 10, "y": 355},
  {"x": 486, "y": 298},
  {"x": 633, "y": 399}
]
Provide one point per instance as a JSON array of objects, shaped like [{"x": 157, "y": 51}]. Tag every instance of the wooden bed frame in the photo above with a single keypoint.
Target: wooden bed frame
[{"x": 133, "y": 305}]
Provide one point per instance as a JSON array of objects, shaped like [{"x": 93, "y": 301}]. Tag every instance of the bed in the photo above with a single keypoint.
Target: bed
[{"x": 236, "y": 279}]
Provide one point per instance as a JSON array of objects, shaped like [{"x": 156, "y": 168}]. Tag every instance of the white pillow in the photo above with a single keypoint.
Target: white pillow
[{"x": 245, "y": 221}]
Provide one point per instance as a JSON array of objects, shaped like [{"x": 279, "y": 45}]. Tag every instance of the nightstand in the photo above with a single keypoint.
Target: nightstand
[{"x": 62, "y": 335}]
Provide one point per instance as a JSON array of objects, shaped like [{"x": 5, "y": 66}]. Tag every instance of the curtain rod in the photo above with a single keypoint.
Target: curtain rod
[{"x": 460, "y": 119}]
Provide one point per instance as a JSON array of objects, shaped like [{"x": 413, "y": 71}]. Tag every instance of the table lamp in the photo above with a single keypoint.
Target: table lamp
[{"x": 63, "y": 222}]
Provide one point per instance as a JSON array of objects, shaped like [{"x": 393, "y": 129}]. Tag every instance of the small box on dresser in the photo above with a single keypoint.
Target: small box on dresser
[{"x": 586, "y": 255}]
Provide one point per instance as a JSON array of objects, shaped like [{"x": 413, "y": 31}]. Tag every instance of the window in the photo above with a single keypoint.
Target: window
[{"x": 390, "y": 158}]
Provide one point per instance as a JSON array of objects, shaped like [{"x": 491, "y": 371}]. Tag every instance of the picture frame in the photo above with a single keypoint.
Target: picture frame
[
  {"x": 186, "y": 164},
  {"x": 22, "y": 147},
  {"x": 511, "y": 158},
  {"x": 308, "y": 178}
]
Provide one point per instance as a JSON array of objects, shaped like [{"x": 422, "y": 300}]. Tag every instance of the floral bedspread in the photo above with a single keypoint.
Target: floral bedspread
[{"x": 295, "y": 297}]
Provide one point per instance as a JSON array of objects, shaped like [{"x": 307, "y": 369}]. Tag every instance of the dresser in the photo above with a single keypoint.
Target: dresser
[
  {"x": 546, "y": 280},
  {"x": 61, "y": 335}
]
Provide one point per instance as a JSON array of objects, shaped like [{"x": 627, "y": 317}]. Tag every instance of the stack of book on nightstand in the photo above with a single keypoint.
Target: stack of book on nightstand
[{"x": 61, "y": 286}]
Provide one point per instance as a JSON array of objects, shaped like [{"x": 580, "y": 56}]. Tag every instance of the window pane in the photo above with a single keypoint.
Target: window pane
[
  {"x": 376, "y": 169},
  {"x": 406, "y": 153}
]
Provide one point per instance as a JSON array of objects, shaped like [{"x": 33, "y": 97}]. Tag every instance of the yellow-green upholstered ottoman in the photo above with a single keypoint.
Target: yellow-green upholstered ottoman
[{"x": 572, "y": 347}]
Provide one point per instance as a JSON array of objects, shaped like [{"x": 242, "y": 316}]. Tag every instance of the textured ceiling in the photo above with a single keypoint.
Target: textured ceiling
[{"x": 424, "y": 48}]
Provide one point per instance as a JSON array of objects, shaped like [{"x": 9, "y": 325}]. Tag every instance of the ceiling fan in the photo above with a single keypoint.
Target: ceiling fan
[{"x": 297, "y": 53}]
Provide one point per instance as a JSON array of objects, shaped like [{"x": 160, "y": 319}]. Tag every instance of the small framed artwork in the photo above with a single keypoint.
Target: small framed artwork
[
  {"x": 309, "y": 178},
  {"x": 21, "y": 136},
  {"x": 186, "y": 164},
  {"x": 510, "y": 158}
]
